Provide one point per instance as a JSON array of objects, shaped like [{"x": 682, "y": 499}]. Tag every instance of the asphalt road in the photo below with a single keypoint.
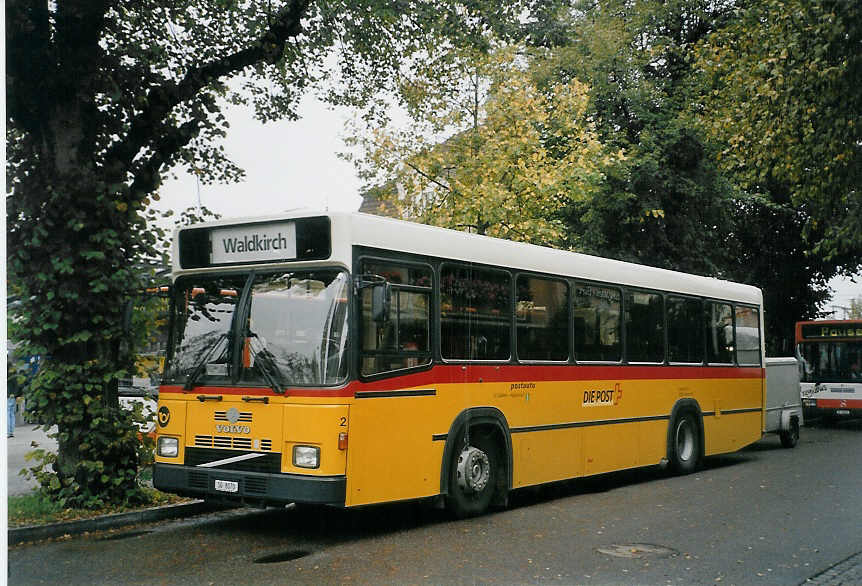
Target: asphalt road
[{"x": 765, "y": 515}]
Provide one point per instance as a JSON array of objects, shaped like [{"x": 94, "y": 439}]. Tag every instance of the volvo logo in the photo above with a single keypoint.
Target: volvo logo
[
  {"x": 232, "y": 415},
  {"x": 232, "y": 428}
]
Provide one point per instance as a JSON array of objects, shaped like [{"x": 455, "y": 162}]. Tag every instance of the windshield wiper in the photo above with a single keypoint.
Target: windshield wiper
[
  {"x": 265, "y": 361},
  {"x": 200, "y": 366}
]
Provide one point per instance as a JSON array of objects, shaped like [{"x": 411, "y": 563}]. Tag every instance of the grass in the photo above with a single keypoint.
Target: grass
[{"x": 34, "y": 509}]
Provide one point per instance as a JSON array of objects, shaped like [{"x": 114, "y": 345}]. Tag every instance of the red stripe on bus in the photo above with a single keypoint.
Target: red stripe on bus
[
  {"x": 454, "y": 373},
  {"x": 840, "y": 403}
]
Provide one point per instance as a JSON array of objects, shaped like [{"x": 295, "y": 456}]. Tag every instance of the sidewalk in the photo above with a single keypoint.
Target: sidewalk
[
  {"x": 114, "y": 521},
  {"x": 16, "y": 449}
]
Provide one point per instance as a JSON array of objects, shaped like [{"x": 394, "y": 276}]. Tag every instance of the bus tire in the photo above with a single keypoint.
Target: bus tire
[
  {"x": 684, "y": 449},
  {"x": 789, "y": 437},
  {"x": 474, "y": 475}
]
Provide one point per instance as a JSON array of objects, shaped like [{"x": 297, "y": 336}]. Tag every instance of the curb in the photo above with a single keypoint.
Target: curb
[
  {"x": 847, "y": 571},
  {"x": 38, "y": 532}
]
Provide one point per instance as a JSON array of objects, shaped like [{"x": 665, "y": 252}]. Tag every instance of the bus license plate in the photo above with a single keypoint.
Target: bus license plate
[
  {"x": 227, "y": 485},
  {"x": 842, "y": 412}
]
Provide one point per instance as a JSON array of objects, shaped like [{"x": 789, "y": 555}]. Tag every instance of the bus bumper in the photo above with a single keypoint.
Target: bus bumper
[
  {"x": 249, "y": 487},
  {"x": 833, "y": 408}
]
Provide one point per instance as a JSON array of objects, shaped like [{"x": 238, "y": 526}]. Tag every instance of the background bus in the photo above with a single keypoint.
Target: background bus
[
  {"x": 830, "y": 356},
  {"x": 350, "y": 359}
]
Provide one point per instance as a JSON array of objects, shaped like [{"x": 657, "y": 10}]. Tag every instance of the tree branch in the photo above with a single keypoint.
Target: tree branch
[
  {"x": 146, "y": 178},
  {"x": 427, "y": 176},
  {"x": 161, "y": 100}
]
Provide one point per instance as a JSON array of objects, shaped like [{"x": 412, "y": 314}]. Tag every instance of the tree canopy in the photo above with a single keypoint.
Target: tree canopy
[
  {"x": 497, "y": 154},
  {"x": 782, "y": 94},
  {"x": 667, "y": 206}
]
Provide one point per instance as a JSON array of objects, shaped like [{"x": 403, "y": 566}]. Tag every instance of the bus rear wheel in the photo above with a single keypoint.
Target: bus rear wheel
[
  {"x": 473, "y": 477},
  {"x": 684, "y": 444}
]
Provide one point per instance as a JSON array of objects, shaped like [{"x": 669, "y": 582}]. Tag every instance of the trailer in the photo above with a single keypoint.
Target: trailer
[{"x": 783, "y": 403}]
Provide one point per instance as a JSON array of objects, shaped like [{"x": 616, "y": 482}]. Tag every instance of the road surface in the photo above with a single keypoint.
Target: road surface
[{"x": 764, "y": 515}]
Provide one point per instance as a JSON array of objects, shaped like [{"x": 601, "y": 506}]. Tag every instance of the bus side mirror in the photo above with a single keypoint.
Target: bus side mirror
[{"x": 381, "y": 300}]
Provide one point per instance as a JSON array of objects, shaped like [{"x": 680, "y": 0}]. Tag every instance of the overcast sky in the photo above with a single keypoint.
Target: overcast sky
[
  {"x": 293, "y": 164},
  {"x": 288, "y": 165},
  {"x": 845, "y": 290}
]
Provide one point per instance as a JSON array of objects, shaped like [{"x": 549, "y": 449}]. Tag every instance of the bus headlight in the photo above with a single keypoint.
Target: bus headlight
[
  {"x": 306, "y": 456},
  {"x": 168, "y": 447}
]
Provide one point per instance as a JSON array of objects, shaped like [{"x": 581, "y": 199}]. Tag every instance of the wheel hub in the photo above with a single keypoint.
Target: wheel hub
[{"x": 474, "y": 470}]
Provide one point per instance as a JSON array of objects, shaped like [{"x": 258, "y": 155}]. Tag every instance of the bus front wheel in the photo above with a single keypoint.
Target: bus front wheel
[
  {"x": 473, "y": 477},
  {"x": 684, "y": 444}
]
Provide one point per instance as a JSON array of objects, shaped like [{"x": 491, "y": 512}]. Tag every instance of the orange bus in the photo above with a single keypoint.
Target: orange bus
[
  {"x": 830, "y": 357},
  {"x": 349, "y": 359}
]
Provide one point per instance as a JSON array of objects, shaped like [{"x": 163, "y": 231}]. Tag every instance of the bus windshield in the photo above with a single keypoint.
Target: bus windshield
[
  {"x": 293, "y": 330},
  {"x": 830, "y": 362}
]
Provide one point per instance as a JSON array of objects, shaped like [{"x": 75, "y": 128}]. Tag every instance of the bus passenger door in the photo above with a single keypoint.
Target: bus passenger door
[{"x": 392, "y": 454}]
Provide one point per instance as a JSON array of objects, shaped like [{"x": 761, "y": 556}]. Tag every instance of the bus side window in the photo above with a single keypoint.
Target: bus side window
[
  {"x": 644, "y": 327},
  {"x": 541, "y": 313},
  {"x": 475, "y": 313},
  {"x": 402, "y": 340},
  {"x": 719, "y": 333},
  {"x": 684, "y": 334},
  {"x": 747, "y": 325},
  {"x": 598, "y": 323}
]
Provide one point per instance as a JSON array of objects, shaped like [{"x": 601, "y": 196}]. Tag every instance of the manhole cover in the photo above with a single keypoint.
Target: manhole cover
[
  {"x": 637, "y": 551},
  {"x": 285, "y": 556}
]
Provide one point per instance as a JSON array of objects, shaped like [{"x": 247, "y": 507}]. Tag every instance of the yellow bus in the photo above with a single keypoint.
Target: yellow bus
[{"x": 349, "y": 359}]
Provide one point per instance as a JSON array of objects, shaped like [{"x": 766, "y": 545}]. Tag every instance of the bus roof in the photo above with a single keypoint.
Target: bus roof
[
  {"x": 359, "y": 229},
  {"x": 830, "y": 322}
]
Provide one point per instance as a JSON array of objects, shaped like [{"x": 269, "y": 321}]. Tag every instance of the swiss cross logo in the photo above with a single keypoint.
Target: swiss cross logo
[{"x": 602, "y": 397}]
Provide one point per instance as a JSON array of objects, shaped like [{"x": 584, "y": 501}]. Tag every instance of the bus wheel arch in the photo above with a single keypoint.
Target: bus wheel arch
[
  {"x": 490, "y": 448},
  {"x": 685, "y": 437}
]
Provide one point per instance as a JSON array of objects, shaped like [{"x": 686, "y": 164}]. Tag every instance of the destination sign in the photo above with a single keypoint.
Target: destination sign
[
  {"x": 824, "y": 331},
  {"x": 253, "y": 243}
]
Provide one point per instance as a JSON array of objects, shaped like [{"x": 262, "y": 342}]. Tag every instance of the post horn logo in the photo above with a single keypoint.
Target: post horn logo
[{"x": 164, "y": 416}]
